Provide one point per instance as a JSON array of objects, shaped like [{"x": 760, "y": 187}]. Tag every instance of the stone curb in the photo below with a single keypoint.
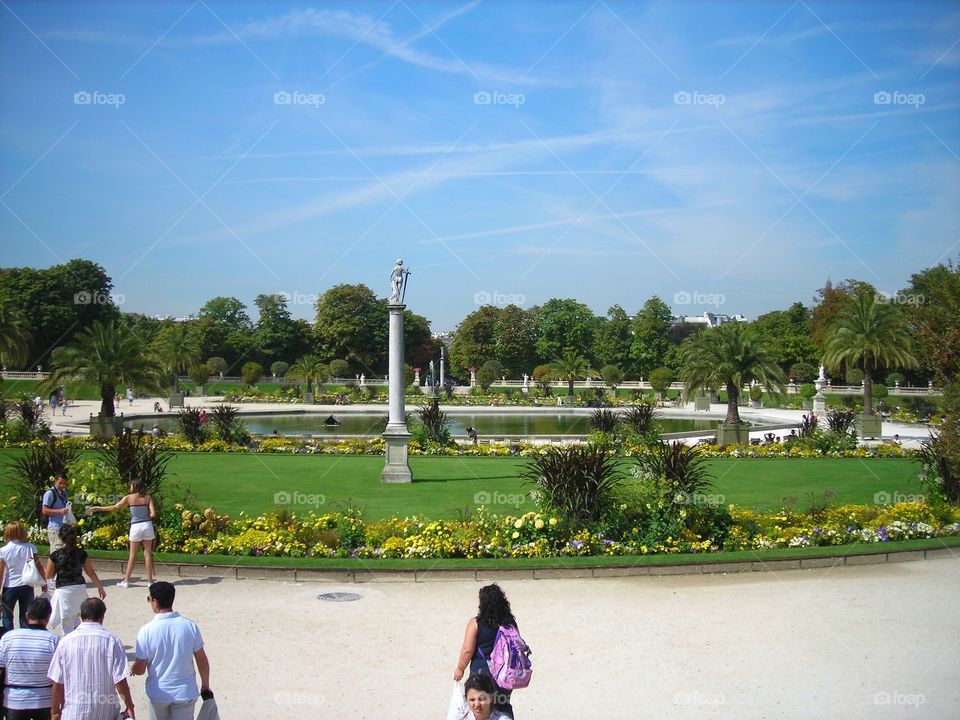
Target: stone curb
[{"x": 511, "y": 574}]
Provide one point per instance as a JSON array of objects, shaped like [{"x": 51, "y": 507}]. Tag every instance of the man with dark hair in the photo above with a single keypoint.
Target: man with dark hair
[
  {"x": 167, "y": 648},
  {"x": 25, "y": 655},
  {"x": 88, "y": 669},
  {"x": 55, "y": 507}
]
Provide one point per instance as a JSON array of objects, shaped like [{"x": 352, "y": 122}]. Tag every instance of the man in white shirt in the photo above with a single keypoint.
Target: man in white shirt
[
  {"x": 88, "y": 669},
  {"x": 167, "y": 648}
]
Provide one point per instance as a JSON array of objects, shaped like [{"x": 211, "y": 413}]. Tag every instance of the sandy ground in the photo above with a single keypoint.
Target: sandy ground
[{"x": 873, "y": 642}]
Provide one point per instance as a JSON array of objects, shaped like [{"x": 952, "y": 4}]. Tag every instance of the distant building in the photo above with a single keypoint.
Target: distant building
[
  {"x": 710, "y": 319},
  {"x": 444, "y": 338}
]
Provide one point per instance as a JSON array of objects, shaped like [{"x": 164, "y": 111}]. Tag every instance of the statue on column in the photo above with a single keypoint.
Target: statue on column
[{"x": 398, "y": 283}]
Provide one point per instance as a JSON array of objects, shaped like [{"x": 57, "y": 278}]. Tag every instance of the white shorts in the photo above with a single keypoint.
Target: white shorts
[{"x": 142, "y": 531}]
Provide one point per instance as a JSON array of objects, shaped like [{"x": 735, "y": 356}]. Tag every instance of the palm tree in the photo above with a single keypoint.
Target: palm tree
[
  {"x": 728, "y": 356},
  {"x": 868, "y": 333},
  {"x": 105, "y": 356},
  {"x": 309, "y": 368},
  {"x": 572, "y": 366},
  {"x": 177, "y": 351},
  {"x": 14, "y": 336}
]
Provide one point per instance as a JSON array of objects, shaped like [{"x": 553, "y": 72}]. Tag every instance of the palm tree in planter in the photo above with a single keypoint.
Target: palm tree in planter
[
  {"x": 106, "y": 356},
  {"x": 868, "y": 332},
  {"x": 177, "y": 352},
  {"x": 571, "y": 367},
  {"x": 309, "y": 368},
  {"x": 729, "y": 356}
]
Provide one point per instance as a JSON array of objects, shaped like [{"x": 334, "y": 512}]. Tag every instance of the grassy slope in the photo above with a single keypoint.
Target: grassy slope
[{"x": 232, "y": 483}]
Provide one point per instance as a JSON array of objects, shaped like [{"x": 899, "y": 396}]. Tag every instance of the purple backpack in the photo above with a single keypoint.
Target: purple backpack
[{"x": 510, "y": 659}]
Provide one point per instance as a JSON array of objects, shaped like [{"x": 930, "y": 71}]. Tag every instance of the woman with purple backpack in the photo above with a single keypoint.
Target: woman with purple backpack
[{"x": 479, "y": 640}]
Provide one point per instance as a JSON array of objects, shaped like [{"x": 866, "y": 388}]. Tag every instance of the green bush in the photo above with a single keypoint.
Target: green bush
[
  {"x": 339, "y": 368},
  {"x": 880, "y": 392},
  {"x": 807, "y": 391},
  {"x": 577, "y": 482},
  {"x": 251, "y": 373},
  {"x": 486, "y": 376},
  {"x": 660, "y": 380},
  {"x": 279, "y": 368},
  {"x": 854, "y": 376}
]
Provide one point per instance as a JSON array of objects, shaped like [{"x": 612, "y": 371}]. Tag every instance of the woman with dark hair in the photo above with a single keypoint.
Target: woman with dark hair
[
  {"x": 480, "y": 691},
  {"x": 68, "y": 564},
  {"x": 142, "y": 514},
  {"x": 478, "y": 640}
]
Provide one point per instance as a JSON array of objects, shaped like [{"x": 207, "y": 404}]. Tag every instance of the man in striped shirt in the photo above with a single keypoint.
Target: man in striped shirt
[
  {"x": 88, "y": 669},
  {"x": 25, "y": 655}
]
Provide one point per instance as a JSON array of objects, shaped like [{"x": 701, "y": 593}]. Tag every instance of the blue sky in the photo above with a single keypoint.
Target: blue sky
[{"x": 725, "y": 156}]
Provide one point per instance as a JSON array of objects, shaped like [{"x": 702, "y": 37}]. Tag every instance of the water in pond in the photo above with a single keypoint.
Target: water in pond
[{"x": 486, "y": 424}]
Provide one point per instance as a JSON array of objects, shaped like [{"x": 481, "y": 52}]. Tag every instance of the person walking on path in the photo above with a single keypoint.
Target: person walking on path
[
  {"x": 479, "y": 637},
  {"x": 68, "y": 564},
  {"x": 142, "y": 514},
  {"x": 55, "y": 507},
  {"x": 15, "y": 557},
  {"x": 88, "y": 669},
  {"x": 167, "y": 649},
  {"x": 130, "y": 396},
  {"x": 25, "y": 656}
]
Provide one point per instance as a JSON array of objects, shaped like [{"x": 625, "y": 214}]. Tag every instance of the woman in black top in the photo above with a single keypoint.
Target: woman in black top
[
  {"x": 68, "y": 565},
  {"x": 479, "y": 637}
]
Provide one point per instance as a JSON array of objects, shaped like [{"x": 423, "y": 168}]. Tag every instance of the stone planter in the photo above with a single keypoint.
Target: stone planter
[
  {"x": 868, "y": 426},
  {"x": 733, "y": 434},
  {"x": 176, "y": 399},
  {"x": 806, "y": 404},
  {"x": 106, "y": 427},
  {"x": 308, "y": 398},
  {"x": 701, "y": 403}
]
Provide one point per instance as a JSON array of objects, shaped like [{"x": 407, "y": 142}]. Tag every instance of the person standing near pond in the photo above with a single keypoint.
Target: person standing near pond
[
  {"x": 142, "y": 514},
  {"x": 479, "y": 638}
]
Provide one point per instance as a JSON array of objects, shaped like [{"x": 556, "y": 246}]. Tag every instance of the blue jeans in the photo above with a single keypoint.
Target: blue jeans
[{"x": 11, "y": 596}]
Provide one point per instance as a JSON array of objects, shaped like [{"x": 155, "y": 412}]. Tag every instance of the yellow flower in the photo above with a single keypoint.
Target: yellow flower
[
  {"x": 553, "y": 521},
  {"x": 538, "y": 524},
  {"x": 518, "y": 524},
  {"x": 515, "y": 535}
]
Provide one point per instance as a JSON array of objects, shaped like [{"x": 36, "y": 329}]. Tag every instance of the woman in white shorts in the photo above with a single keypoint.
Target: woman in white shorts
[{"x": 142, "y": 514}]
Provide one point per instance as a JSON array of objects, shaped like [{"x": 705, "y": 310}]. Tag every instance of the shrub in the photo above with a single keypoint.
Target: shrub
[
  {"x": 807, "y": 391},
  {"x": 192, "y": 429},
  {"x": 803, "y": 372},
  {"x": 227, "y": 425},
  {"x": 895, "y": 378},
  {"x": 251, "y": 373},
  {"x": 880, "y": 392},
  {"x": 434, "y": 423},
  {"x": 808, "y": 426},
  {"x": 577, "y": 482},
  {"x": 640, "y": 418},
  {"x": 486, "y": 376},
  {"x": 854, "y": 376},
  {"x": 919, "y": 405},
  {"x": 33, "y": 472},
  {"x": 200, "y": 374},
  {"x": 217, "y": 365},
  {"x": 756, "y": 393},
  {"x": 339, "y": 368},
  {"x": 660, "y": 380},
  {"x": 612, "y": 376},
  {"x": 604, "y": 420},
  {"x": 136, "y": 457},
  {"x": 279, "y": 368},
  {"x": 679, "y": 464},
  {"x": 840, "y": 420},
  {"x": 940, "y": 460},
  {"x": 543, "y": 375}
]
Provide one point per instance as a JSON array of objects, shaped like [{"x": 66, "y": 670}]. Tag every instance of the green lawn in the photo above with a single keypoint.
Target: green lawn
[{"x": 444, "y": 486}]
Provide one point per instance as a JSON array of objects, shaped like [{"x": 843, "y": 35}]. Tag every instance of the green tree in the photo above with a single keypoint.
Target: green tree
[
  {"x": 868, "y": 332},
  {"x": 419, "y": 347},
  {"x": 339, "y": 368},
  {"x": 612, "y": 339},
  {"x": 515, "y": 334},
  {"x": 14, "y": 336},
  {"x": 729, "y": 356},
  {"x": 565, "y": 325},
  {"x": 279, "y": 368},
  {"x": 275, "y": 335},
  {"x": 251, "y": 373},
  {"x": 612, "y": 376},
  {"x": 660, "y": 379},
  {"x": 57, "y": 303},
  {"x": 228, "y": 312},
  {"x": 787, "y": 334},
  {"x": 200, "y": 374},
  {"x": 651, "y": 342},
  {"x": 828, "y": 302},
  {"x": 571, "y": 367},
  {"x": 106, "y": 356},
  {"x": 309, "y": 368},
  {"x": 486, "y": 376},
  {"x": 474, "y": 340},
  {"x": 352, "y": 323},
  {"x": 217, "y": 365},
  {"x": 177, "y": 350}
]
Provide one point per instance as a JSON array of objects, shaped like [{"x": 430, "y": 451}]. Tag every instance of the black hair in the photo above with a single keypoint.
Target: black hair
[
  {"x": 494, "y": 607},
  {"x": 39, "y": 609},
  {"x": 93, "y": 609},
  {"x": 138, "y": 487},
  {"x": 68, "y": 536},
  {"x": 164, "y": 593},
  {"x": 481, "y": 682}
]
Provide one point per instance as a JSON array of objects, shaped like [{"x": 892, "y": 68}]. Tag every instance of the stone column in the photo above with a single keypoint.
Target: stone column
[
  {"x": 820, "y": 400},
  {"x": 442, "y": 380},
  {"x": 397, "y": 468}
]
